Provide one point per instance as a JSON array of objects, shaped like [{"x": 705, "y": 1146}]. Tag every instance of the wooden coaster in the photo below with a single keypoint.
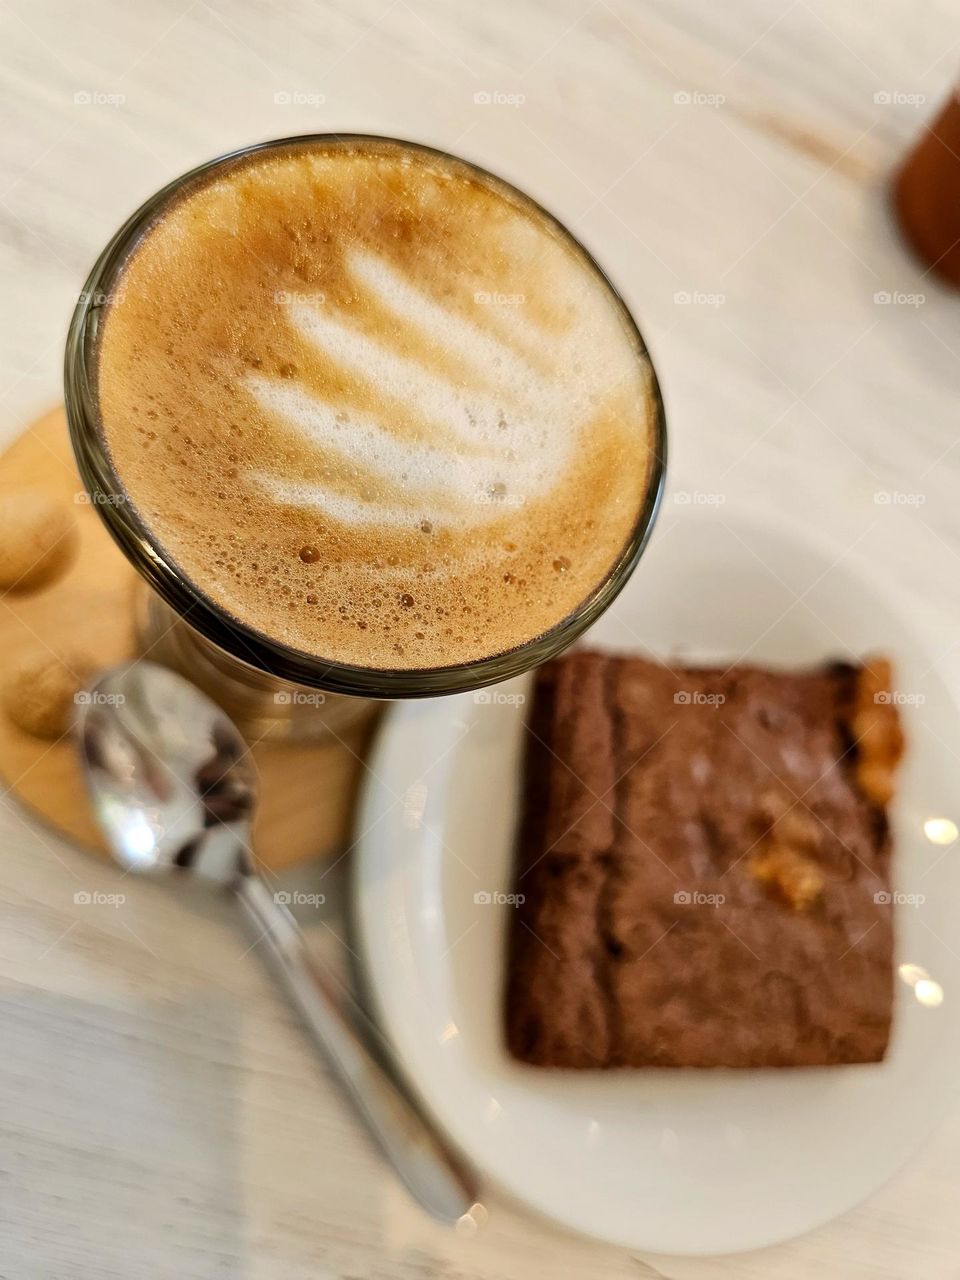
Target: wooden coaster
[{"x": 307, "y": 792}]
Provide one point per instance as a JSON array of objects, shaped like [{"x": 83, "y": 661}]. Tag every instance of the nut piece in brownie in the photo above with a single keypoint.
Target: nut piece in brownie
[{"x": 704, "y": 864}]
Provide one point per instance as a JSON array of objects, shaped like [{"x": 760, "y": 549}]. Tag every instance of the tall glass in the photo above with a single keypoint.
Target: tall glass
[{"x": 272, "y": 689}]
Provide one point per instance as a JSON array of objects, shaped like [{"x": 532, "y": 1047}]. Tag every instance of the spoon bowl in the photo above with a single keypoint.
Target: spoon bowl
[{"x": 171, "y": 779}]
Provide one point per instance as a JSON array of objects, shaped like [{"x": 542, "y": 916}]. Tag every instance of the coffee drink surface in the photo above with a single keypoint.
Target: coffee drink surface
[{"x": 374, "y": 405}]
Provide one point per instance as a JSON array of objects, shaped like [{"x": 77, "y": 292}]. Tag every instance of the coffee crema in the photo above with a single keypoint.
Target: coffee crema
[{"x": 375, "y": 405}]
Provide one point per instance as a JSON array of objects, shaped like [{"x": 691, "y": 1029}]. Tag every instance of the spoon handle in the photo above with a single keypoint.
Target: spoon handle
[{"x": 430, "y": 1172}]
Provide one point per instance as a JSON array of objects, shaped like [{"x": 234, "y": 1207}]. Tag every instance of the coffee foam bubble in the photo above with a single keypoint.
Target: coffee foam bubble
[{"x": 377, "y": 358}]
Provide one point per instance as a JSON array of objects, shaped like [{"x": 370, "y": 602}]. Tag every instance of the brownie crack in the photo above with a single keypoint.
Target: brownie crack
[{"x": 610, "y": 948}]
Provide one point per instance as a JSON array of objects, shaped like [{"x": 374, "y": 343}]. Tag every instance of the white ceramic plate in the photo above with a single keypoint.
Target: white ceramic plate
[{"x": 665, "y": 1161}]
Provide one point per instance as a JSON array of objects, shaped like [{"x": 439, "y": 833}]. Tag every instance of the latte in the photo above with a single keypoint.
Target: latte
[{"x": 375, "y": 405}]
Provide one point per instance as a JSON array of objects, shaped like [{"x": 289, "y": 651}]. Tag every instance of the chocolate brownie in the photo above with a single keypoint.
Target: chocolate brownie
[{"x": 704, "y": 867}]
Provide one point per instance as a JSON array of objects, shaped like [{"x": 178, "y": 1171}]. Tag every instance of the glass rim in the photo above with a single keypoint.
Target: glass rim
[{"x": 227, "y": 632}]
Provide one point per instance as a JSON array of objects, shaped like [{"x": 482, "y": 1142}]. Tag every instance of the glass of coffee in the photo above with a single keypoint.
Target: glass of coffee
[{"x": 367, "y": 419}]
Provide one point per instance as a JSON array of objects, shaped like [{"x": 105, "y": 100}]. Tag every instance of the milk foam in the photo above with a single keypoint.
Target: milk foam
[{"x": 404, "y": 369}]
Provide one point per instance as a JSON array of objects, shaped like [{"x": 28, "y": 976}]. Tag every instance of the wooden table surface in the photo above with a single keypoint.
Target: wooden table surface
[{"x": 161, "y": 1114}]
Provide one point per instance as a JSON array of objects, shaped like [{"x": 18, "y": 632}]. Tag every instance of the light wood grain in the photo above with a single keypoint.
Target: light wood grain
[{"x": 162, "y": 1115}]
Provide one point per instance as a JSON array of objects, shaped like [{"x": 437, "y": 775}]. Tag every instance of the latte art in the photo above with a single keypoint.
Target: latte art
[
  {"x": 375, "y": 405},
  {"x": 467, "y": 450}
]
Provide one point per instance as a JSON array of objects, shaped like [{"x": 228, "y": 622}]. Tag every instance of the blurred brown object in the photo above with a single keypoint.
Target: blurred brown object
[{"x": 926, "y": 194}]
